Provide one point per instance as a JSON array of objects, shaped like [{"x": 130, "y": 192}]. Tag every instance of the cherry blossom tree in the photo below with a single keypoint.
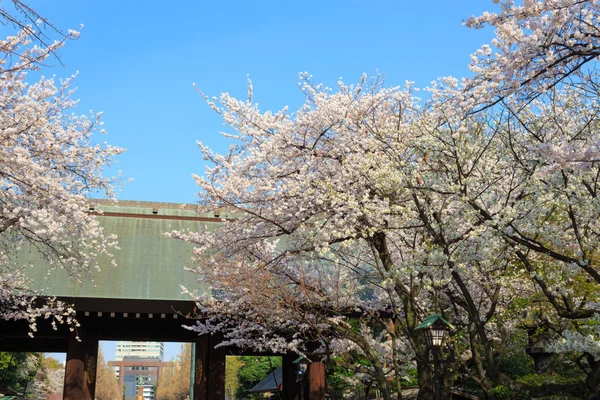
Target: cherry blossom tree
[
  {"x": 368, "y": 209},
  {"x": 302, "y": 243},
  {"x": 49, "y": 164},
  {"x": 48, "y": 380},
  {"x": 519, "y": 217},
  {"x": 543, "y": 72}
]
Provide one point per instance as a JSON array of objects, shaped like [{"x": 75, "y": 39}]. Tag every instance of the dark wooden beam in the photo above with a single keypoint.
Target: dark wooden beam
[
  {"x": 20, "y": 329},
  {"x": 36, "y": 345},
  {"x": 131, "y": 306},
  {"x": 151, "y": 329}
]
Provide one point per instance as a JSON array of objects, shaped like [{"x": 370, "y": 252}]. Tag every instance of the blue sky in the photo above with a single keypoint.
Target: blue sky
[{"x": 137, "y": 62}]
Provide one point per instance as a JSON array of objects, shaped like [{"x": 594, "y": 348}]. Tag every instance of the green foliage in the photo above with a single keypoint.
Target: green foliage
[
  {"x": 516, "y": 364},
  {"x": 565, "y": 365},
  {"x": 519, "y": 366},
  {"x": 542, "y": 379},
  {"x": 51, "y": 363},
  {"x": 338, "y": 377},
  {"x": 354, "y": 324},
  {"x": 341, "y": 378},
  {"x": 412, "y": 378},
  {"x": 17, "y": 370},
  {"x": 254, "y": 370},
  {"x": 501, "y": 392}
]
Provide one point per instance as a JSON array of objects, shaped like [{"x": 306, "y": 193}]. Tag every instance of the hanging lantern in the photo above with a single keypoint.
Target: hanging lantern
[
  {"x": 434, "y": 329},
  {"x": 301, "y": 365}
]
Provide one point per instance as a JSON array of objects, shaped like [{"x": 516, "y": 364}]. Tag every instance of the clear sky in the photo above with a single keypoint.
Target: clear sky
[{"x": 137, "y": 61}]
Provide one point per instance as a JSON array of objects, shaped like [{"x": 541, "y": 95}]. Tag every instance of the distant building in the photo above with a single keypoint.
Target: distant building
[
  {"x": 138, "y": 372},
  {"x": 143, "y": 360},
  {"x": 140, "y": 350}
]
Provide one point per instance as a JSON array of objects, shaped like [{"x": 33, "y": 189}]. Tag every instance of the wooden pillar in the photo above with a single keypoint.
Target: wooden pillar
[
  {"x": 216, "y": 369},
  {"x": 90, "y": 367},
  {"x": 80, "y": 371},
  {"x": 75, "y": 369},
  {"x": 316, "y": 381},
  {"x": 200, "y": 368},
  {"x": 291, "y": 389}
]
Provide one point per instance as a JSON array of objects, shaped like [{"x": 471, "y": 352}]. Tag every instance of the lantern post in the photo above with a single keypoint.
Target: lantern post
[{"x": 435, "y": 329}]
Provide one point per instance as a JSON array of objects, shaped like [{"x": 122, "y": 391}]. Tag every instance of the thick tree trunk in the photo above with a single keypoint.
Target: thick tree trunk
[{"x": 382, "y": 384}]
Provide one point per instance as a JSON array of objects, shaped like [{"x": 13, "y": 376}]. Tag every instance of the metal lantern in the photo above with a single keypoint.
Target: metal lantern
[
  {"x": 301, "y": 367},
  {"x": 434, "y": 328},
  {"x": 436, "y": 335}
]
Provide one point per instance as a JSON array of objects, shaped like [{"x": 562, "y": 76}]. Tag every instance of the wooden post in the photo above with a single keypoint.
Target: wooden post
[
  {"x": 80, "y": 371},
  {"x": 316, "y": 381},
  {"x": 291, "y": 389},
  {"x": 90, "y": 367},
  {"x": 74, "y": 387},
  {"x": 216, "y": 369},
  {"x": 200, "y": 372}
]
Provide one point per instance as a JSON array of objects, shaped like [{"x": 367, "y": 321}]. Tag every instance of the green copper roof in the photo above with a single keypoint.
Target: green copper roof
[
  {"x": 150, "y": 265},
  {"x": 432, "y": 319}
]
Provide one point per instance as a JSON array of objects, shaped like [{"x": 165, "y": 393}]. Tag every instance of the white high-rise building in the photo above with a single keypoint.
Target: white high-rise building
[{"x": 140, "y": 350}]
